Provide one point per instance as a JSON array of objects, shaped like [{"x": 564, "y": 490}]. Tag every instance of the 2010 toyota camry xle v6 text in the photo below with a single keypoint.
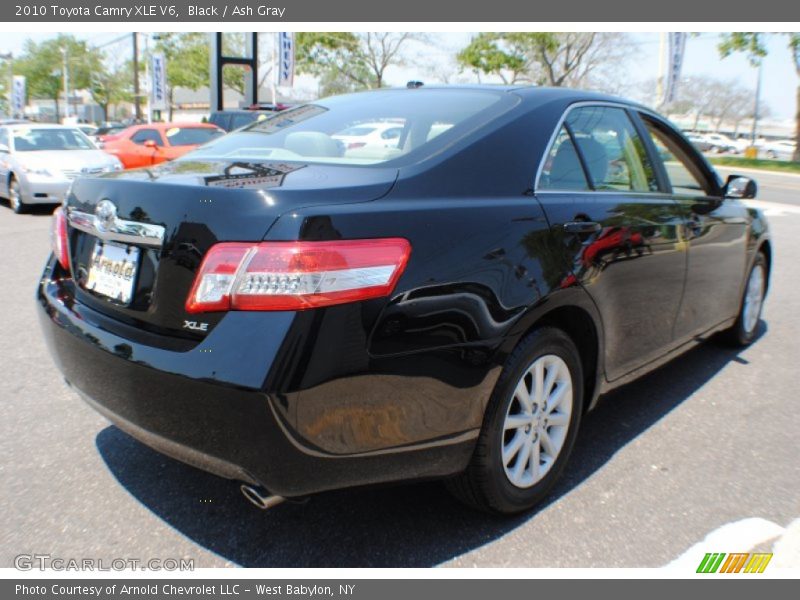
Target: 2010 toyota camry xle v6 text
[{"x": 300, "y": 313}]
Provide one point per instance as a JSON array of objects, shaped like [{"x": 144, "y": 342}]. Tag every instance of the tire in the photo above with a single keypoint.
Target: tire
[
  {"x": 15, "y": 197},
  {"x": 744, "y": 330},
  {"x": 493, "y": 484}
]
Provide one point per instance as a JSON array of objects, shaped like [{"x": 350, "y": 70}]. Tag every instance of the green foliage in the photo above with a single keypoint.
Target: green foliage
[
  {"x": 112, "y": 85},
  {"x": 573, "y": 59},
  {"x": 42, "y": 65},
  {"x": 345, "y": 61},
  {"x": 756, "y": 163},
  {"x": 187, "y": 57},
  {"x": 753, "y": 44},
  {"x": 507, "y": 55}
]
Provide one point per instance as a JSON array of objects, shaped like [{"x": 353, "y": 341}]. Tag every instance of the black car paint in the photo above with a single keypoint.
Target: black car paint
[{"x": 387, "y": 389}]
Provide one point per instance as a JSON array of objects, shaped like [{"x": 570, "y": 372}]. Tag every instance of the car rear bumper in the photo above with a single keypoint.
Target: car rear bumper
[{"x": 219, "y": 411}]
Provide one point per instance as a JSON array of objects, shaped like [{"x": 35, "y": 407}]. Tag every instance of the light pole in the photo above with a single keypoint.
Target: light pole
[
  {"x": 65, "y": 73},
  {"x": 754, "y": 132}
]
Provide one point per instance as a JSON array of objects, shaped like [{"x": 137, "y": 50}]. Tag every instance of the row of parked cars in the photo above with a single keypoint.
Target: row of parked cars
[{"x": 719, "y": 143}]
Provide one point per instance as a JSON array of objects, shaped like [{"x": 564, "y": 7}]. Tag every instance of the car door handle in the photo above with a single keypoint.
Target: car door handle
[{"x": 582, "y": 227}]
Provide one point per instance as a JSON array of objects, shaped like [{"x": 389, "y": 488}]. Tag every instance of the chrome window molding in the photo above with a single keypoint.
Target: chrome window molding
[{"x": 119, "y": 230}]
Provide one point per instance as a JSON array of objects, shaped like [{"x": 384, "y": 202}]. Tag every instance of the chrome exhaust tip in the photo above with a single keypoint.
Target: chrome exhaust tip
[{"x": 260, "y": 497}]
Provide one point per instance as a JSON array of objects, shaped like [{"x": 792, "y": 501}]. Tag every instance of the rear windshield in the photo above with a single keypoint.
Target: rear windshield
[
  {"x": 36, "y": 140},
  {"x": 328, "y": 131},
  {"x": 189, "y": 136}
]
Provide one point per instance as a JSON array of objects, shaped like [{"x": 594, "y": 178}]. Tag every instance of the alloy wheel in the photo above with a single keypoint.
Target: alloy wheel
[
  {"x": 753, "y": 298},
  {"x": 14, "y": 198},
  {"x": 537, "y": 421}
]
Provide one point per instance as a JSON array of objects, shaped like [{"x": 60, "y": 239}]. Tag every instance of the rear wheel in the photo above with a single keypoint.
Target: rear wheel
[
  {"x": 530, "y": 426},
  {"x": 744, "y": 329},
  {"x": 15, "y": 196}
]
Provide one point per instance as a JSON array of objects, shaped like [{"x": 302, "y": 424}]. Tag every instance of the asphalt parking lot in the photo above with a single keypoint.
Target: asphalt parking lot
[{"x": 708, "y": 440}]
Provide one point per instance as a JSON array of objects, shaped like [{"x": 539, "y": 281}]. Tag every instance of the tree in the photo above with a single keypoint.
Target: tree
[
  {"x": 234, "y": 78},
  {"x": 187, "y": 58},
  {"x": 504, "y": 55},
  {"x": 754, "y": 45},
  {"x": 4, "y": 83},
  {"x": 111, "y": 84},
  {"x": 42, "y": 66},
  {"x": 572, "y": 59},
  {"x": 359, "y": 59}
]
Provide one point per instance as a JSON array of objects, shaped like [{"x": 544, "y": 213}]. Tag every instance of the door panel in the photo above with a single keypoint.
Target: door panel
[
  {"x": 716, "y": 231},
  {"x": 621, "y": 231},
  {"x": 633, "y": 268}
]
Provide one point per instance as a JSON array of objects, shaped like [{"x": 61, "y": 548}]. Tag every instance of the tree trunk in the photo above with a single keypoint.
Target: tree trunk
[{"x": 58, "y": 112}]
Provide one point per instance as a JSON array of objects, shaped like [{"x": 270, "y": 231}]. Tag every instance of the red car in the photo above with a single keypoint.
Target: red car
[{"x": 146, "y": 145}]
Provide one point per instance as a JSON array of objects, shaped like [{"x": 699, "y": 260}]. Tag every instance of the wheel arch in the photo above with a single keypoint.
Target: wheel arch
[{"x": 573, "y": 312}]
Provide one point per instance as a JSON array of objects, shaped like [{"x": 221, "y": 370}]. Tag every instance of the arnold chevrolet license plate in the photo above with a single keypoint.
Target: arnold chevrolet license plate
[{"x": 113, "y": 270}]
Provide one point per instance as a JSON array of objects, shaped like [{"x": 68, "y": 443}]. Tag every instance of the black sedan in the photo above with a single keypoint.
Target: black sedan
[{"x": 299, "y": 314}]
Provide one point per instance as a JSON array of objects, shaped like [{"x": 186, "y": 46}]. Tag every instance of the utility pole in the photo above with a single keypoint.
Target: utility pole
[
  {"x": 65, "y": 73},
  {"x": 662, "y": 51},
  {"x": 754, "y": 132},
  {"x": 136, "y": 100}
]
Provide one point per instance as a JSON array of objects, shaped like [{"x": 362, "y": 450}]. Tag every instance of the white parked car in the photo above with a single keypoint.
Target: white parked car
[
  {"x": 38, "y": 162},
  {"x": 384, "y": 134},
  {"x": 719, "y": 142},
  {"x": 778, "y": 150}
]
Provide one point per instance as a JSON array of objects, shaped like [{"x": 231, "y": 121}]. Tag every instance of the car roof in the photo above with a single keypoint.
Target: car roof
[
  {"x": 531, "y": 95},
  {"x": 25, "y": 125},
  {"x": 179, "y": 124}
]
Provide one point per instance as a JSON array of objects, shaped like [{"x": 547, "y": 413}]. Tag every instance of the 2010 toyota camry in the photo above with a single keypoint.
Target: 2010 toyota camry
[{"x": 300, "y": 314}]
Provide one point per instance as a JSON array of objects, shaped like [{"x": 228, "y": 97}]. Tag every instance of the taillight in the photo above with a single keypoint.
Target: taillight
[
  {"x": 296, "y": 275},
  {"x": 58, "y": 237}
]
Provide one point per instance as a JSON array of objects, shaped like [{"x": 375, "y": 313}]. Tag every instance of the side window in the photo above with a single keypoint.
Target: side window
[
  {"x": 4, "y": 137},
  {"x": 141, "y": 136},
  {"x": 614, "y": 153},
  {"x": 562, "y": 168},
  {"x": 685, "y": 177},
  {"x": 392, "y": 134}
]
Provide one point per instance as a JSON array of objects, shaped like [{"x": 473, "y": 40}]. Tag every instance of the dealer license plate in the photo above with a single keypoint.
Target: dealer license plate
[{"x": 113, "y": 270}]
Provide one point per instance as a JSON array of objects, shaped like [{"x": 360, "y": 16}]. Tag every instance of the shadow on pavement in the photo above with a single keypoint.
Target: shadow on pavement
[{"x": 415, "y": 525}]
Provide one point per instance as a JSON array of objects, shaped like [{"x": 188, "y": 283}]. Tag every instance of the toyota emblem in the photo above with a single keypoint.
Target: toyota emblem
[{"x": 105, "y": 214}]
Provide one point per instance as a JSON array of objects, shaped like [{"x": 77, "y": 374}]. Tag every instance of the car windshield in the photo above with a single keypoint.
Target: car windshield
[
  {"x": 319, "y": 132},
  {"x": 190, "y": 136},
  {"x": 37, "y": 140}
]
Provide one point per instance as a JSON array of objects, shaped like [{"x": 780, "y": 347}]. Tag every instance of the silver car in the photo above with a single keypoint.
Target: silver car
[{"x": 38, "y": 162}]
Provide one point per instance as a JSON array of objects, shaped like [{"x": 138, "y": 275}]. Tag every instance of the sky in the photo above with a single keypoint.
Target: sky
[{"x": 779, "y": 80}]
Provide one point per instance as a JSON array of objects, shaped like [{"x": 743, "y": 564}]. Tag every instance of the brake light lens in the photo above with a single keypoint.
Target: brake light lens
[
  {"x": 296, "y": 275},
  {"x": 58, "y": 237}
]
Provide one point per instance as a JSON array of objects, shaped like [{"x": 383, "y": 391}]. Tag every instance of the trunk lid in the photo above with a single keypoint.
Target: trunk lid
[{"x": 166, "y": 218}]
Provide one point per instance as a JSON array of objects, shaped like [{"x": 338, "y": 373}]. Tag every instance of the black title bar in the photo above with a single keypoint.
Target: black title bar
[{"x": 333, "y": 11}]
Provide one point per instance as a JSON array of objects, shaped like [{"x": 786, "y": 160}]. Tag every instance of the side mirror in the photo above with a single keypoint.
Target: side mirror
[
  {"x": 739, "y": 186},
  {"x": 4, "y": 149},
  {"x": 150, "y": 144}
]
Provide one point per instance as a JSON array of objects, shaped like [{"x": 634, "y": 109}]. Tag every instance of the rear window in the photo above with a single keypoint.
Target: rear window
[
  {"x": 189, "y": 136},
  {"x": 319, "y": 132}
]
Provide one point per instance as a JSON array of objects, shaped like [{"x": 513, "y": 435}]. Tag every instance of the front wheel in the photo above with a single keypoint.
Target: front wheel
[
  {"x": 744, "y": 329},
  {"x": 15, "y": 196},
  {"x": 529, "y": 428}
]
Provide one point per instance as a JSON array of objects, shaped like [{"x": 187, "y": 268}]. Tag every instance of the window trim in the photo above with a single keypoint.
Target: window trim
[
  {"x": 688, "y": 148},
  {"x": 627, "y": 108}
]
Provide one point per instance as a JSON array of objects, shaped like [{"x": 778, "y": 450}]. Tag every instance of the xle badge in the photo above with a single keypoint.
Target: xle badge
[{"x": 195, "y": 326}]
